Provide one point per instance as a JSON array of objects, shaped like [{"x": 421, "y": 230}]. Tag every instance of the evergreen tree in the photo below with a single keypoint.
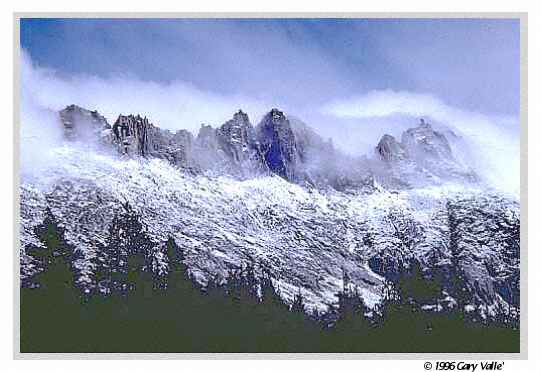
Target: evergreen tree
[{"x": 55, "y": 260}]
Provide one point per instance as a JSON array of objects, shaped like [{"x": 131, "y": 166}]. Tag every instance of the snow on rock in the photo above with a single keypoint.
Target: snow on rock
[
  {"x": 307, "y": 239},
  {"x": 420, "y": 209}
]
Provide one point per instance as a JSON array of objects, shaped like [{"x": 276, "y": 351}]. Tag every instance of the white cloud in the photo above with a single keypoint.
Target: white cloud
[
  {"x": 383, "y": 103},
  {"x": 171, "y": 106},
  {"x": 495, "y": 141}
]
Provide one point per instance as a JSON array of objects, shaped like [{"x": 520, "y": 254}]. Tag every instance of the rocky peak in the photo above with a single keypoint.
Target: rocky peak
[
  {"x": 281, "y": 145},
  {"x": 237, "y": 137},
  {"x": 277, "y": 115},
  {"x": 423, "y": 156},
  {"x": 82, "y": 124},
  {"x": 274, "y": 118},
  {"x": 424, "y": 141},
  {"x": 241, "y": 117},
  {"x": 389, "y": 149},
  {"x": 278, "y": 144},
  {"x": 135, "y": 134}
]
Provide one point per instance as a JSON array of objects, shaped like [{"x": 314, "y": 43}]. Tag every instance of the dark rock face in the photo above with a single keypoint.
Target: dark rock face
[
  {"x": 278, "y": 144},
  {"x": 82, "y": 124},
  {"x": 136, "y": 136}
]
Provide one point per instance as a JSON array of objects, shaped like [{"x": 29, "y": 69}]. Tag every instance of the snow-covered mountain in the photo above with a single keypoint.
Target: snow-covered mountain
[{"x": 279, "y": 198}]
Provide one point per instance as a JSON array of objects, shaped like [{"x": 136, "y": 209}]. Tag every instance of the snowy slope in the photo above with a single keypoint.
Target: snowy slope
[{"x": 308, "y": 239}]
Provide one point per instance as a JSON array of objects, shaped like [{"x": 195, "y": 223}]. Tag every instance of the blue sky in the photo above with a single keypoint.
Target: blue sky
[{"x": 471, "y": 64}]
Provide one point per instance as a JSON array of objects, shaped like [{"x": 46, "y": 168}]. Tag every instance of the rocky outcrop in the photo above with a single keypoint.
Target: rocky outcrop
[
  {"x": 419, "y": 143},
  {"x": 180, "y": 147},
  {"x": 238, "y": 141},
  {"x": 81, "y": 124},
  {"x": 424, "y": 156},
  {"x": 231, "y": 148},
  {"x": 278, "y": 145},
  {"x": 136, "y": 136},
  {"x": 423, "y": 141},
  {"x": 237, "y": 137}
]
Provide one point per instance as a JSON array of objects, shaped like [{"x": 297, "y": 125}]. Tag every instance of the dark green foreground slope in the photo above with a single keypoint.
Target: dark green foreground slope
[{"x": 180, "y": 317}]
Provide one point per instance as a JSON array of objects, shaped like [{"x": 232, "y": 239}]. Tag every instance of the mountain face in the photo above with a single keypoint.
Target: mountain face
[
  {"x": 278, "y": 144},
  {"x": 134, "y": 135},
  {"x": 423, "y": 157},
  {"x": 423, "y": 141},
  {"x": 278, "y": 198},
  {"x": 237, "y": 137},
  {"x": 83, "y": 125}
]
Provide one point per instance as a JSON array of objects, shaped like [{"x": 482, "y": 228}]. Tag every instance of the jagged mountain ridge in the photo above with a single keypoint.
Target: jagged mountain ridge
[
  {"x": 308, "y": 238},
  {"x": 288, "y": 148},
  {"x": 423, "y": 156}
]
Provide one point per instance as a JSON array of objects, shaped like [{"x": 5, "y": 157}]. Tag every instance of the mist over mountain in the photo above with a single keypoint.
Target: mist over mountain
[
  {"x": 278, "y": 197},
  {"x": 245, "y": 185},
  {"x": 355, "y": 125}
]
